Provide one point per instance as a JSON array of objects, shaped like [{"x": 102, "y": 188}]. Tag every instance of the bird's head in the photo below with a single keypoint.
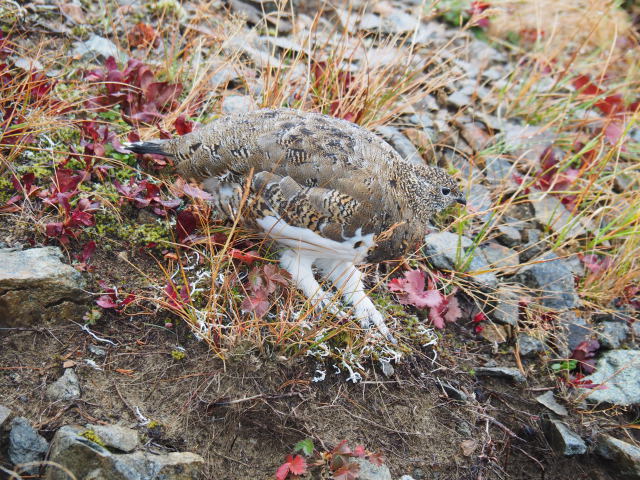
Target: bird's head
[{"x": 442, "y": 189}]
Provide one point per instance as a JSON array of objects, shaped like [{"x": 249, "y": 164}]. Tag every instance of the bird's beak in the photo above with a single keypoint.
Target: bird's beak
[{"x": 461, "y": 200}]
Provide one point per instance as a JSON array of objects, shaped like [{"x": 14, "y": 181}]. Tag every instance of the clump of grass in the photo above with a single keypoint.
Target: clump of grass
[{"x": 355, "y": 76}]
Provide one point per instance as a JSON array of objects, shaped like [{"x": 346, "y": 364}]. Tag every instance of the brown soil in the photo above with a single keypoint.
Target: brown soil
[{"x": 245, "y": 414}]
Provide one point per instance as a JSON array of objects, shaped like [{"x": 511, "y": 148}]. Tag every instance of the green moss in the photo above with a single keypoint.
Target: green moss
[
  {"x": 80, "y": 31},
  {"x": 178, "y": 354},
  {"x": 161, "y": 7},
  {"x": 93, "y": 437},
  {"x": 107, "y": 224},
  {"x": 6, "y": 190}
]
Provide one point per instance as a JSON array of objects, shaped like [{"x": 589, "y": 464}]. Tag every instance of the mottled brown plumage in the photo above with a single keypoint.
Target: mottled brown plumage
[{"x": 330, "y": 178}]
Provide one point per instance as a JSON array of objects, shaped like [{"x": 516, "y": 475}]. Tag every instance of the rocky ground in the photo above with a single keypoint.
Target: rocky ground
[{"x": 114, "y": 364}]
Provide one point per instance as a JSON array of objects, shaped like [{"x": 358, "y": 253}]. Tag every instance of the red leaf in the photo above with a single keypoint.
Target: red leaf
[
  {"x": 247, "y": 257},
  {"x": 144, "y": 35},
  {"x": 614, "y": 131},
  {"x": 195, "y": 192},
  {"x": 283, "y": 471},
  {"x": 54, "y": 229},
  {"x": 359, "y": 451},
  {"x": 596, "y": 264},
  {"x": 453, "y": 309},
  {"x": 183, "y": 126},
  {"x": 479, "y": 317},
  {"x": 105, "y": 301},
  {"x": 611, "y": 104},
  {"x": 185, "y": 224},
  {"x": 341, "y": 449},
  {"x": 349, "y": 472},
  {"x": 584, "y": 353},
  {"x": 257, "y": 302},
  {"x": 79, "y": 217},
  {"x": 274, "y": 276},
  {"x": 87, "y": 252},
  {"x": 376, "y": 459},
  {"x": 297, "y": 465},
  {"x": 127, "y": 300},
  {"x": 412, "y": 292},
  {"x": 583, "y": 84}
]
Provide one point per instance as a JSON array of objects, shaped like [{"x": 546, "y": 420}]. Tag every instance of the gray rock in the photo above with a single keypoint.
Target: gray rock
[
  {"x": 574, "y": 330},
  {"x": 551, "y": 281},
  {"x": 612, "y": 335},
  {"x": 423, "y": 120},
  {"x": 575, "y": 265},
  {"x": 445, "y": 249},
  {"x": 284, "y": 43},
  {"x": 497, "y": 170},
  {"x": 26, "y": 445},
  {"x": 507, "y": 307},
  {"x": 548, "y": 399},
  {"x": 468, "y": 172},
  {"x": 529, "y": 346},
  {"x": 394, "y": 22},
  {"x": 563, "y": 439},
  {"x": 534, "y": 244},
  {"x": 27, "y": 64},
  {"x": 458, "y": 99},
  {"x": 370, "y": 471},
  {"x": 493, "y": 73},
  {"x": 527, "y": 140},
  {"x": 98, "y": 351},
  {"x": 619, "y": 370},
  {"x": 406, "y": 477},
  {"x": 254, "y": 14},
  {"x": 400, "y": 143},
  {"x": 453, "y": 392},
  {"x": 419, "y": 474},
  {"x": 501, "y": 372},
  {"x": 223, "y": 76},
  {"x": 67, "y": 387},
  {"x": 36, "y": 287},
  {"x": 551, "y": 213},
  {"x": 237, "y": 104},
  {"x": 116, "y": 436},
  {"x": 508, "y": 235},
  {"x": 98, "y": 47},
  {"x": 251, "y": 13},
  {"x": 479, "y": 199},
  {"x": 86, "y": 459},
  {"x": 625, "y": 456},
  {"x": 5, "y": 413},
  {"x": 502, "y": 258}
]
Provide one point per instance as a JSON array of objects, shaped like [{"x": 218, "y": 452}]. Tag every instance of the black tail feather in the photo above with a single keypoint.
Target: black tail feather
[{"x": 147, "y": 147}]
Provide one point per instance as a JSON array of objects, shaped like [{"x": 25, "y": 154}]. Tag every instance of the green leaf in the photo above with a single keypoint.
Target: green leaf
[{"x": 305, "y": 446}]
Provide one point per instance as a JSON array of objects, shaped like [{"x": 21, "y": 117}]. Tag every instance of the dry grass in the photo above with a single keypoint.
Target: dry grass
[
  {"x": 565, "y": 28},
  {"x": 334, "y": 71}
]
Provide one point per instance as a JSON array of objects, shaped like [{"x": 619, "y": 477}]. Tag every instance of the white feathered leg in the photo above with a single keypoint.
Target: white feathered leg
[
  {"x": 299, "y": 267},
  {"x": 348, "y": 280}
]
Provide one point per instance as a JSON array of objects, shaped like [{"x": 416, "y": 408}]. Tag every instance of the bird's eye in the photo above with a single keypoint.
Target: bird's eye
[{"x": 446, "y": 191}]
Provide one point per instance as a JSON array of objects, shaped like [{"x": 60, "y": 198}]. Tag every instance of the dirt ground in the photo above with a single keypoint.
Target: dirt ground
[{"x": 245, "y": 414}]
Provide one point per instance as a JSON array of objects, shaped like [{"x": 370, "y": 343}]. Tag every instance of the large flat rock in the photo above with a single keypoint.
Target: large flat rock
[
  {"x": 87, "y": 459},
  {"x": 36, "y": 286},
  {"x": 619, "y": 372},
  {"x": 551, "y": 280}
]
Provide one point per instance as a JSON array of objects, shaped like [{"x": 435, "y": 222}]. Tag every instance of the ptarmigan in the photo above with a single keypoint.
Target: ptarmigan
[{"x": 330, "y": 193}]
